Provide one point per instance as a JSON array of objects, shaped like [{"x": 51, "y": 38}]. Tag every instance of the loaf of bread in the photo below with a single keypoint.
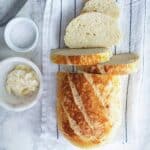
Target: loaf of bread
[
  {"x": 121, "y": 64},
  {"x": 91, "y": 30},
  {"x": 88, "y": 107},
  {"x": 80, "y": 56},
  {"x": 107, "y": 7}
]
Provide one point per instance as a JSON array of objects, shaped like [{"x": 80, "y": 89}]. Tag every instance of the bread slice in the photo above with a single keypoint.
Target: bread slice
[
  {"x": 92, "y": 30},
  {"x": 88, "y": 107},
  {"x": 80, "y": 56},
  {"x": 107, "y": 7},
  {"x": 120, "y": 64}
]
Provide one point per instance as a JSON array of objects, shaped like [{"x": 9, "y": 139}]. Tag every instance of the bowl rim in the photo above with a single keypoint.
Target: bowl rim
[
  {"x": 10, "y": 43},
  {"x": 39, "y": 93}
]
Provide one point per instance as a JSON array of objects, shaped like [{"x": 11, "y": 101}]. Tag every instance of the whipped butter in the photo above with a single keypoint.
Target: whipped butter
[{"x": 22, "y": 81}]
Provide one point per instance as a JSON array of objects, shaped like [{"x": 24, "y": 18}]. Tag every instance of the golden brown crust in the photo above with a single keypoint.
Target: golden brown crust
[
  {"x": 82, "y": 116},
  {"x": 81, "y": 59},
  {"x": 118, "y": 69},
  {"x": 63, "y": 122},
  {"x": 67, "y": 100},
  {"x": 64, "y": 127},
  {"x": 122, "y": 68}
]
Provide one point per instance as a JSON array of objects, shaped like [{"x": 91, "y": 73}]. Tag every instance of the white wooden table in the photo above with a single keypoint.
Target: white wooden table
[
  {"x": 36, "y": 128},
  {"x": 21, "y": 131}
]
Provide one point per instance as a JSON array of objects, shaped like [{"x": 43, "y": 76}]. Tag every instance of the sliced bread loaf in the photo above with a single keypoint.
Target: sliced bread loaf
[
  {"x": 120, "y": 64},
  {"x": 92, "y": 30},
  {"x": 107, "y": 7},
  {"x": 80, "y": 56}
]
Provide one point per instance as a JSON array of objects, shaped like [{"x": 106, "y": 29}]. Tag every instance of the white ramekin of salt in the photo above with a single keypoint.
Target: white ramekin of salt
[{"x": 21, "y": 34}]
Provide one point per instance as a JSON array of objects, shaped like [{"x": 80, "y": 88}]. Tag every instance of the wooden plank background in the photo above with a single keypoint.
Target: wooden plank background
[{"x": 134, "y": 23}]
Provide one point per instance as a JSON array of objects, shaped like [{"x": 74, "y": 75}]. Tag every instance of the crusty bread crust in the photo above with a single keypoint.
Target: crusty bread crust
[
  {"x": 91, "y": 30},
  {"x": 107, "y": 7},
  {"x": 67, "y": 131},
  {"x": 126, "y": 64},
  {"x": 84, "y": 118},
  {"x": 81, "y": 57}
]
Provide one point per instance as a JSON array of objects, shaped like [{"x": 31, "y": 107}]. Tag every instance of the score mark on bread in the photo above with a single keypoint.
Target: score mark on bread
[{"x": 82, "y": 117}]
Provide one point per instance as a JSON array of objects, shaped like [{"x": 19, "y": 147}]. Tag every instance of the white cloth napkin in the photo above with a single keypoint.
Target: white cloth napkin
[{"x": 57, "y": 15}]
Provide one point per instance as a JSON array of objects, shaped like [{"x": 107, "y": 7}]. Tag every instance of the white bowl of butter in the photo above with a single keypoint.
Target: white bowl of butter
[{"x": 21, "y": 84}]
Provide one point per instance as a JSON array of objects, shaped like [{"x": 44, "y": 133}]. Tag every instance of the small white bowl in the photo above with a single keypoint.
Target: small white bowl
[
  {"x": 21, "y": 35},
  {"x": 9, "y": 101}
]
